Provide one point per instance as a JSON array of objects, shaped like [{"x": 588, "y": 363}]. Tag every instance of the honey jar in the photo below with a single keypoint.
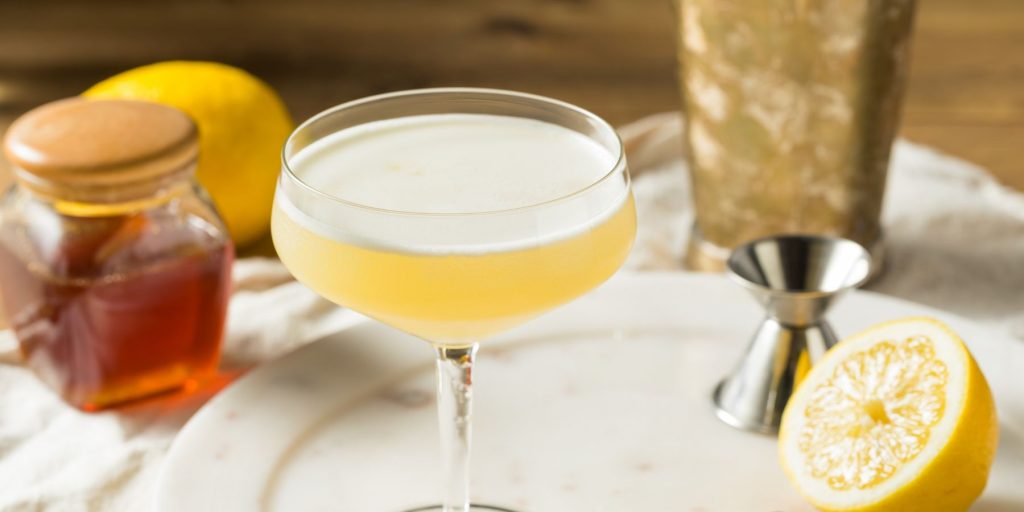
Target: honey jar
[{"x": 114, "y": 264}]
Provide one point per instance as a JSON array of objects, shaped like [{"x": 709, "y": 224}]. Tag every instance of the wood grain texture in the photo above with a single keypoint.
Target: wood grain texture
[{"x": 616, "y": 57}]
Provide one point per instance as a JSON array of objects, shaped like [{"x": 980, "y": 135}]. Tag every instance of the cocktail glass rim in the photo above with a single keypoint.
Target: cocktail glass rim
[{"x": 497, "y": 93}]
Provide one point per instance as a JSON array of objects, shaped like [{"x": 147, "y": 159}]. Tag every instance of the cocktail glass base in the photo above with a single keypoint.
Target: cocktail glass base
[{"x": 472, "y": 508}]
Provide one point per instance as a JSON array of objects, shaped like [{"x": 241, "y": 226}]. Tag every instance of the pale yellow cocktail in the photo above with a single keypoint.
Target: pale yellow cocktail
[
  {"x": 483, "y": 282},
  {"x": 453, "y": 214}
]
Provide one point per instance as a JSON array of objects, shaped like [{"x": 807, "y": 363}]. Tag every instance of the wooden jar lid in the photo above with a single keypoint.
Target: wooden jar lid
[{"x": 99, "y": 143}]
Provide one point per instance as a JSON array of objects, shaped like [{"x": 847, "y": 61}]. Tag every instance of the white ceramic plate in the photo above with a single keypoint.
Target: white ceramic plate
[{"x": 602, "y": 405}]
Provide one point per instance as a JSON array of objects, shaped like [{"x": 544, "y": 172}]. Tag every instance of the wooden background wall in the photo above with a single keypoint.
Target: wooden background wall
[{"x": 616, "y": 57}]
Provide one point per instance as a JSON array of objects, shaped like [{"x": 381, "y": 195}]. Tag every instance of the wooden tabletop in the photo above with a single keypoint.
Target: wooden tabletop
[{"x": 616, "y": 57}]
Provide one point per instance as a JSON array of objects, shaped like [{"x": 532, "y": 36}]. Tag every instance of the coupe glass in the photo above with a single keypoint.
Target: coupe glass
[{"x": 482, "y": 272}]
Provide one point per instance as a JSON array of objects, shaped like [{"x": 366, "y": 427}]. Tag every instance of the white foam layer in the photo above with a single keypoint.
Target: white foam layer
[{"x": 453, "y": 163}]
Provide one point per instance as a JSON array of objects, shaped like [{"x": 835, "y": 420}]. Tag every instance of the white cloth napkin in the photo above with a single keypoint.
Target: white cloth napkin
[{"x": 955, "y": 241}]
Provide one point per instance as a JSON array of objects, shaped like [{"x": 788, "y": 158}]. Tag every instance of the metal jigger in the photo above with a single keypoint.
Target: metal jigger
[{"x": 796, "y": 279}]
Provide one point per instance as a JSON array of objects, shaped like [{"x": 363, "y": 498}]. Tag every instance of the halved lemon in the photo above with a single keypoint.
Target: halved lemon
[{"x": 898, "y": 418}]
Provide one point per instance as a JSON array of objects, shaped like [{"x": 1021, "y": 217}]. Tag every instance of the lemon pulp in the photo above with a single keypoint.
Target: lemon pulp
[{"x": 874, "y": 413}]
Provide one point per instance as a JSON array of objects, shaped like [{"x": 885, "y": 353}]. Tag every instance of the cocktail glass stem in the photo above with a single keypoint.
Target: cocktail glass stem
[{"x": 455, "y": 417}]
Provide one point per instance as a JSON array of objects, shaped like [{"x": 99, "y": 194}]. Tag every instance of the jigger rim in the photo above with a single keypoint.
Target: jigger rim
[{"x": 732, "y": 261}]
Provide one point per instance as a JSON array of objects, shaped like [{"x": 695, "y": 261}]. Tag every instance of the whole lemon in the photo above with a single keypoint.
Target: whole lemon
[{"x": 242, "y": 125}]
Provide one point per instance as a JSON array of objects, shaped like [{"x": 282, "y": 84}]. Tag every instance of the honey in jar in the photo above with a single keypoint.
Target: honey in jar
[{"x": 114, "y": 265}]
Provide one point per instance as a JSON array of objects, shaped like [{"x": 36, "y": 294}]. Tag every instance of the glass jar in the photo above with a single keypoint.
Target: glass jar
[
  {"x": 114, "y": 265},
  {"x": 791, "y": 109}
]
